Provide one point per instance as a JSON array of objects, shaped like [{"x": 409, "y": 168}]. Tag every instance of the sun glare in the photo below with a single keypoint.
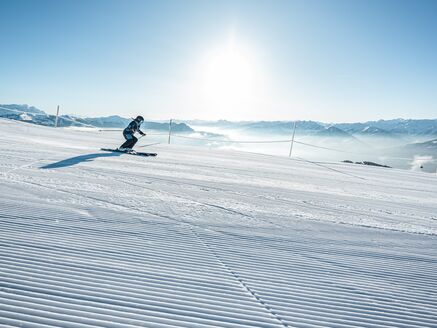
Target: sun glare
[{"x": 229, "y": 77}]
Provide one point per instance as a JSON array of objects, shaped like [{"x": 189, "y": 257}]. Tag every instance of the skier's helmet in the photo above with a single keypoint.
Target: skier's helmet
[{"x": 139, "y": 119}]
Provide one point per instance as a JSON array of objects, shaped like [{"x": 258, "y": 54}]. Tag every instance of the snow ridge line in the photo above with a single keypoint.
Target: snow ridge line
[
  {"x": 240, "y": 280},
  {"x": 191, "y": 226},
  {"x": 252, "y": 264},
  {"x": 181, "y": 313}
]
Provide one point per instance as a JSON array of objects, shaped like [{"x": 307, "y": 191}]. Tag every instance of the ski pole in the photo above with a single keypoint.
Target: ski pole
[{"x": 156, "y": 143}]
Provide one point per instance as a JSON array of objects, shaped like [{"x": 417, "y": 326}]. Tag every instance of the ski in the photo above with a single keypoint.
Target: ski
[{"x": 132, "y": 152}]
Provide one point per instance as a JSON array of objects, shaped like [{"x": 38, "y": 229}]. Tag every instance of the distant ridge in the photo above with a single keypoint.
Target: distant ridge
[
  {"x": 30, "y": 114},
  {"x": 382, "y": 128}
]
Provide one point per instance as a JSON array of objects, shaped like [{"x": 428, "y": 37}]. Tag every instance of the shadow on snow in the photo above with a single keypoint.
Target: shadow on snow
[{"x": 78, "y": 159}]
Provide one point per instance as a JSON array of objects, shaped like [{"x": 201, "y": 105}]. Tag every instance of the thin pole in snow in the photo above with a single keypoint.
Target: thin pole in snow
[
  {"x": 169, "y": 131},
  {"x": 57, "y": 117},
  {"x": 292, "y": 139}
]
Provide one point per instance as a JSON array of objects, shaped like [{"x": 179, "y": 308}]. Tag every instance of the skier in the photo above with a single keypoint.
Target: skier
[{"x": 129, "y": 132}]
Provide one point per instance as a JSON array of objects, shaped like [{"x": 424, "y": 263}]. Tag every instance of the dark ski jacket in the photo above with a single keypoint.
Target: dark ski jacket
[{"x": 133, "y": 127}]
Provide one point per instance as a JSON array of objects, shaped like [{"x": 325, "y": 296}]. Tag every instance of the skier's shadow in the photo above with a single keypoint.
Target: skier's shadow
[{"x": 78, "y": 159}]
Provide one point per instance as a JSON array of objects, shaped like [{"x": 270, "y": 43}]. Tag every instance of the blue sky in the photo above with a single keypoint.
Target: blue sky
[{"x": 333, "y": 61}]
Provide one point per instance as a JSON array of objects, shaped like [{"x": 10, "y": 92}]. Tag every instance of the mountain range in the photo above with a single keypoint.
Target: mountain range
[
  {"x": 387, "y": 128},
  {"x": 34, "y": 115},
  {"x": 383, "y": 128}
]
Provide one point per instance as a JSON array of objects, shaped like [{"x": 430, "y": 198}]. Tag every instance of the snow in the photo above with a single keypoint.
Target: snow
[
  {"x": 26, "y": 117},
  {"x": 207, "y": 238}
]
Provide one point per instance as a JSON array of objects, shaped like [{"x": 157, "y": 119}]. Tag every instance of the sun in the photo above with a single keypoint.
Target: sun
[{"x": 229, "y": 77}]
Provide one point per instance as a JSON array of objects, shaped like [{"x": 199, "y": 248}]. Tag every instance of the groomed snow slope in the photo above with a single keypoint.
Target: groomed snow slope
[{"x": 200, "y": 238}]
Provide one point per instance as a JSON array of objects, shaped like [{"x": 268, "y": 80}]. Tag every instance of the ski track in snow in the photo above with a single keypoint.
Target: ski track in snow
[{"x": 200, "y": 238}]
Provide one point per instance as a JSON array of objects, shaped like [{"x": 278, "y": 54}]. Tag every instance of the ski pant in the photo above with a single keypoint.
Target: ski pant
[{"x": 131, "y": 140}]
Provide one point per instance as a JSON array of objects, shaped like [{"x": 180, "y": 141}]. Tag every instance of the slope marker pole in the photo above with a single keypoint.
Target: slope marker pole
[
  {"x": 57, "y": 117},
  {"x": 169, "y": 131},
  {"x": 292, "y": 139}
]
